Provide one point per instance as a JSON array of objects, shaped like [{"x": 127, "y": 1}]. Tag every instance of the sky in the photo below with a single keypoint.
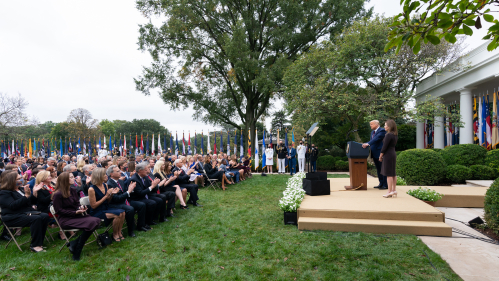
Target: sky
[{"x": 61, "y": 55}]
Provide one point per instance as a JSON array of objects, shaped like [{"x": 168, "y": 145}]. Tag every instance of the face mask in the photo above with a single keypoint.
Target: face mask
[
  {"x": 90, "y": 173},
  {"x": 75, "y": 174}
]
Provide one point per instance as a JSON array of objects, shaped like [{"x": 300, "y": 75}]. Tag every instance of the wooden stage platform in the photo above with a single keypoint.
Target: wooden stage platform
[{"x": 368, "y": 211}]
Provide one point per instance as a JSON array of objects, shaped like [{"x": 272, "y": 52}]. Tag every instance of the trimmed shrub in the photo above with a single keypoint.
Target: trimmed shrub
[
  {"x": 341, "y": 165},
  {"x": 325, "y": 162},
  {"x": 464, "y": 154},
  {"x": 436, "y": 149},
  {"x": 458, "y": 173},
  {"x": 491, "y": 206},
  {"x": 482, "y": 172},
  {"x": 344, "y": 158},
  {"x": 406, "y": 137},
  {"x": 421, "y": 167},
  {"x": 492, "y": 159}
]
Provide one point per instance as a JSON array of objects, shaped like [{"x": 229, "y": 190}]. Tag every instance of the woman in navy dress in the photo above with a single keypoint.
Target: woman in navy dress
[{"x": 100, "y": 195}]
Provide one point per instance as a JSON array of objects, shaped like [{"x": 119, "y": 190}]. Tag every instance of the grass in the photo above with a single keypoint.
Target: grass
[
  {"x": 238, "y": 235},
  {"x": 331, "y": 176}
]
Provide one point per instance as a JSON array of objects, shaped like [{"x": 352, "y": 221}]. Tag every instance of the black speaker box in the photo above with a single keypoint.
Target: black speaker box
[
  {"x": 316, "y": 187},
  {"x": 476, "y": 220},
  {"x": 316, "y": 176}
]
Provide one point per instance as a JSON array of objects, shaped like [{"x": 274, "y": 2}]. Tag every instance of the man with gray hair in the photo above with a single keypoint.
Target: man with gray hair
[
  {"x": 50, "y": 163},
  {"x": 376, "y": 143},
  {"x": 147, "y": 191},
  {"x": 121, "y": 200},
  {"x": 87, "y": 178}
]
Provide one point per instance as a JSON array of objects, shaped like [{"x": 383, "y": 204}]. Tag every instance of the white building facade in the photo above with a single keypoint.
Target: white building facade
[{"x": 479, "y": 75}]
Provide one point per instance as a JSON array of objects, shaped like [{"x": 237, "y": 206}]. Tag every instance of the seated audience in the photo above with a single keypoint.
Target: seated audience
[
  {"x": 212, "y": 171},
  {"x": 163, "y": 172}
]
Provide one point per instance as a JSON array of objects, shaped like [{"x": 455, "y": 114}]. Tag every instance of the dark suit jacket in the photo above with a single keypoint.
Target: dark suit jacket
[
  {"x": 376, "y": 142},
  {"x": 208, "y": 168},
  {"x": 141, "y": 189},
  {"x": 292, "y": 153},
  {"x": 182, "y": 178},
  {"x": 43, "y": 201},
  {"x": 121, "y": 196},
  {"x": 12, "y": 203}
]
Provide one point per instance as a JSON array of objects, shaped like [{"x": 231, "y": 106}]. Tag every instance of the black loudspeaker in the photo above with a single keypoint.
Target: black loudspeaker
[
  {"x": 316, "y": 176},
  {"x": 316, "y": 187},
  {"x": 476, "y": 220}
]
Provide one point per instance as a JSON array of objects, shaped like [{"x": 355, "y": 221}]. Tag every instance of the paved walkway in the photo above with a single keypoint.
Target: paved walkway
[{"x": 471, "y": 259}]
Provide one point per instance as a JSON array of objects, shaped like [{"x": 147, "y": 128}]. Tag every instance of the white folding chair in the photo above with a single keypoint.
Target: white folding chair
[{"x": 213, "y": 182}]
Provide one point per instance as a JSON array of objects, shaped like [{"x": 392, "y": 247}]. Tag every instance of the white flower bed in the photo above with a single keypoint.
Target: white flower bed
[{"x": 294, "y": 193}]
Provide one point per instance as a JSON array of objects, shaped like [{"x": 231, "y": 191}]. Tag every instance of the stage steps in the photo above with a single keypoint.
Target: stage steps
[{"x": 432, "y": 228}]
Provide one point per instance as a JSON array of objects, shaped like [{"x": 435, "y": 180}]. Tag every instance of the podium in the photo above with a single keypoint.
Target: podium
[{"x": 357, "y": 165}]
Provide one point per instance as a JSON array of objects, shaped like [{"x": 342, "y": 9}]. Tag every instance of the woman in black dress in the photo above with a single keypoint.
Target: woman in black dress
[
  {"x": 212, "y": 171},
  {"x": 71, "y": 214},
  {"x": 388, "y": 157},
  {"x": 162, "y": 171}
]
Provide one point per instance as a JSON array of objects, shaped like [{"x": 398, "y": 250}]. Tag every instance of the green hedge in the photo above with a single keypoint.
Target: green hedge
[
  {"x": 341, "y": 165},
  {"x": 492, "y": 159},
  {"x": 421, "y": 167},
  {"x": 464, "y": 154},
  {"x": 482, "y": 172},
  {"x": 458, "y": 173},
  {"x": 406, "y": 137},
  {"x": 491, "y": 206},
  {"x": 326, "y": 162}
]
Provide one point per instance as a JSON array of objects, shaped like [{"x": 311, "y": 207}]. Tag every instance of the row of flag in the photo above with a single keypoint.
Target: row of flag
[
  {"x": 121, "y": 145},
  {"x": 485, "y": 121}
]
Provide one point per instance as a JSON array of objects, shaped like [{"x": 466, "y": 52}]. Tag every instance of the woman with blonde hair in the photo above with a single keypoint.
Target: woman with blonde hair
[
  {"x": 388, "y": 157},
  {"x": 162, "y": 171},
  {"x": 99, "y": 196}
]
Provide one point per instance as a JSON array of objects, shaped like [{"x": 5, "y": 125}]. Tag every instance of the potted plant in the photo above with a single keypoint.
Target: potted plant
[
  {"x": 427, "y": 195},
  {"x": 293, "y": 196}
]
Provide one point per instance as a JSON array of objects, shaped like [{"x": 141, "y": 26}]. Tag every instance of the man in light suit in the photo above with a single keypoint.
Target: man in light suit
[{"x": 376, "y": 143}]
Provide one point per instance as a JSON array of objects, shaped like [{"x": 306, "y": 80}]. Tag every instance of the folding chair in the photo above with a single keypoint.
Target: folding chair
[
  {"x": 12, "y": 233},
  {"x": 213, "y": 182},
  {"x": 84, "y": 201},
  {"x": 74, "y": 230}
]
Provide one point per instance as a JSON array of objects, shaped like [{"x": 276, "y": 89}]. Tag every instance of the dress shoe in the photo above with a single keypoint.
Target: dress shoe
[
  {"x": 163, "y": 220},
  {"x": 197, "y": 204},
  {"x": 153, "y": 223},
  {"x": 147, "y": 227},
  {"x": 5, "y": 237},
  {"x": 132, "y": 235},
  {"x": 383, "y": 187},
  {"x": 378, "y": 186},
  {"x": 171, "y": 216},
  {"x": 72, "y": 245},
  {"x": 143, "y": 229},
  {"x": 188, "y": 202}
]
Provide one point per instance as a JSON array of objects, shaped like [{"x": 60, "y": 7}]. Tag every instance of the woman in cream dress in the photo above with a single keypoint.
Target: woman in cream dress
[{"x": 269, "y": 154}]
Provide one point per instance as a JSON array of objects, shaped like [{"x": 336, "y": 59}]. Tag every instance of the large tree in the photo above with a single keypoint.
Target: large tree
[
  {"x": 226, "y": 57},
  {"x": 353, "y": 77},
  {"x": 12, "y": 114}
]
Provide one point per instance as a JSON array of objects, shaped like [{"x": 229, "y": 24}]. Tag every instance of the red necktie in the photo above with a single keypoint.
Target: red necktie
[
  {"x": 157, "y": 191},
  {"x": 372, "y": 136},
  {"x": 126, "y": 201}
]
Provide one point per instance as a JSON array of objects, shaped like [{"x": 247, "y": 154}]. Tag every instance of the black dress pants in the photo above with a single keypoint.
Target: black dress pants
[
  {"x": 170, "y": 196},
  {"x": 192, "y": 188},
  {"x": 37, "y": 223},
  {"x": 151, "y": 208},
  {"x": 160, "y": 200},
  {"x": 382, "y": 179},
  {"x": 135, "y": 207}
]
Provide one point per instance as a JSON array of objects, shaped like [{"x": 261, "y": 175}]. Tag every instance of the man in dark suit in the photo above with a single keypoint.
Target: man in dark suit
[
  {"x": 292, "y": 159},
  {"x": 376, "y": 143},
  {"x": 314, "y": 154},
  {"x": 155, "y": 206},
  {"x": 183, "y": 181},
  {"x": 121, "y": 200}
]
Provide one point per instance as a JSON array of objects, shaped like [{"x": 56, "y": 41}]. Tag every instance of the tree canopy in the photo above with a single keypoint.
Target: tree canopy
[
  {"x": 226, "y": 58},
  {"x": 431, "y": 21}
]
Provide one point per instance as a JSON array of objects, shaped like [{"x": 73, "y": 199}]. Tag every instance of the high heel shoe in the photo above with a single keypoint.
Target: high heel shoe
[
  {"x": 394, "y": 193},
  {"x": 184, "y": 207},
  {"x": 388, "y": 195}
]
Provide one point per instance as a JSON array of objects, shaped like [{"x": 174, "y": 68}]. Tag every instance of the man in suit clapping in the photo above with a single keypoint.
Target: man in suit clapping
[{"x": 376, "y": 143}]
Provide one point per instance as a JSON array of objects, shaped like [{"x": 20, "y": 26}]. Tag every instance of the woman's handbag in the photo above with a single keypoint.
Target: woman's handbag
[{"x": 104, "y": 239}]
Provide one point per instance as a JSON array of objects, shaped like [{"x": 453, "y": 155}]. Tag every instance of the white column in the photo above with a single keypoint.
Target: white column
[
  {"x": 466, "y": 110},
  {"x": 439, "y": 132},
  {"x": 420, "y": 135}
]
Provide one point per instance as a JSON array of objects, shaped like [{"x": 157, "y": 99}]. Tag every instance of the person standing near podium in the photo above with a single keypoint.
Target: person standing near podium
[
  {"x": 376, "y": 143},
  {"x": 302, "y": 150},
  {"x": 292, "y": 159}
]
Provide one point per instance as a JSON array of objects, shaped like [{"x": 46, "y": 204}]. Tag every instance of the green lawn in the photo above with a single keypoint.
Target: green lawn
[
  {"x": 237, "y": 235},
  {"x": 331, "y": 176}
]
